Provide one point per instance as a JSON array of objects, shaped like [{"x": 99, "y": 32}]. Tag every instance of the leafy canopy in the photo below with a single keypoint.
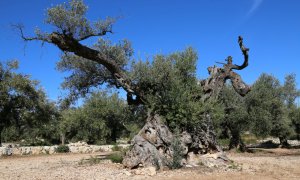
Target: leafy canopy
[
  {"x": 24, "y": 108},
  {"x": 100, "y": 120},
  {"x": 70, "y": 19},
  {"x": 266, "y": 108}
]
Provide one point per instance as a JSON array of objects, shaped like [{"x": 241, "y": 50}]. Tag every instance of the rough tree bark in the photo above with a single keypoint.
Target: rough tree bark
[
  {"x": 152, "y": 145},
  {"x": 218, "y": 76}
]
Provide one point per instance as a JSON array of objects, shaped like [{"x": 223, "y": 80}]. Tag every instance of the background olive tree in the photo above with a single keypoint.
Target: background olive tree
[{"x": 24, "y": 109}]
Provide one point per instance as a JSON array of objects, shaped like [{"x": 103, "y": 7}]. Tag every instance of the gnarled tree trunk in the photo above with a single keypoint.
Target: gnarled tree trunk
[{"x": 152, "y": 146}]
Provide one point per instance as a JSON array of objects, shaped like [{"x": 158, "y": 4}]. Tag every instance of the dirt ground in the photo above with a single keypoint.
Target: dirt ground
[{"x": 265, "y": 164}]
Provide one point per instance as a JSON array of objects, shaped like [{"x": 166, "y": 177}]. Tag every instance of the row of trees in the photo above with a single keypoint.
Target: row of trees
[
  {"x": 270, "y": 109},
  {"x": 27, "y": 116},
  {"x": 102, "y": 119}
]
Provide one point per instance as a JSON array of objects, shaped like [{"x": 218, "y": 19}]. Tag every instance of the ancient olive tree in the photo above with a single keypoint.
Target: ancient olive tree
[{"x": 168, "y": 87}]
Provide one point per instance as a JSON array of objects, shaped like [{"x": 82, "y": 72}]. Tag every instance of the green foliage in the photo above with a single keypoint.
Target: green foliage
[
  {"x": 169, "y": 84},
  {"x": 135, "y": 121},
  {"x": 236, "y": 117},
  {"x": 266, "y": 108},
  {"x": 62, "y": 149},
  {"x": 289, "y": 91},
  {"x": 177, "y": 156},
  {"x": 31, "y": 141},
  {"x": 295, "y": 117},
  {"x": 100, "y": 120},
  {"x": 171, "y": 88},
  {"x": 24, "y": 109},
  {"x": 224, "y": 142},
  {"x": 290, "y": 94},
  {"x": 116, "y": 157},
  {"x": 235, "y": 109},
  {"x": 117, "y": 148},
  {"x": 70, "y": 18},
  {"x": 86, "y": 74}
]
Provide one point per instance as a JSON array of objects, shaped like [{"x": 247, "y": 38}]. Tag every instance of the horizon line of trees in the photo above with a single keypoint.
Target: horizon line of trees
[{"x": 27, "y": 115}]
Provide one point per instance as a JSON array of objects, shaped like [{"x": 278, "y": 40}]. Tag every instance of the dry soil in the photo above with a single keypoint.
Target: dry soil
[{"x": 265, "y": 164}]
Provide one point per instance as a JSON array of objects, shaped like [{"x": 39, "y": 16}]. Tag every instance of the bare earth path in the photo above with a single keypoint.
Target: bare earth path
[{"x": 279, "y": 164}]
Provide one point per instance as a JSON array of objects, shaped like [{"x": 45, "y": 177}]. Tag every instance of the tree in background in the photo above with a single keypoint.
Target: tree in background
[
  {"x": 295, "y": 118},
  {"x": 267, "y": 110},
  {"x": 289, "y": 91},
  {"x": 24, "y": 109},
  {"x": 290, "y": 94},
  {"x": 236, "y": 117},
  {"x": 102, "y": 119}
]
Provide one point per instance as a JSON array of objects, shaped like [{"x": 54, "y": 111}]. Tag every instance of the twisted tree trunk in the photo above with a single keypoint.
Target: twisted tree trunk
[{"x": 152, "y": 146}]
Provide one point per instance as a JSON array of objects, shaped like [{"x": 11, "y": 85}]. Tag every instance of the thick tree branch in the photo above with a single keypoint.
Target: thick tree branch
[
  {"x": 245, "y": 53},
  {"x": 218, "y": 76},
  {"x": 67, "y": 43}
]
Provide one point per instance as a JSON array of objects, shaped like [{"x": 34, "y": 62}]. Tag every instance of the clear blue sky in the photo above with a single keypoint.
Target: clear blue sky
[{"x": 271, "y": 29}]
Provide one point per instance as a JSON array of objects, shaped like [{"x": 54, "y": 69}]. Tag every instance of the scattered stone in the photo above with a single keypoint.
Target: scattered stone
[
  {"x": 26, "y": 150},
  {"x": 37, "y": 150},
  {"x": 127, "y": 173},
  {"x": 79, "y": 147},
  {"x": 150, "y": 171}
]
